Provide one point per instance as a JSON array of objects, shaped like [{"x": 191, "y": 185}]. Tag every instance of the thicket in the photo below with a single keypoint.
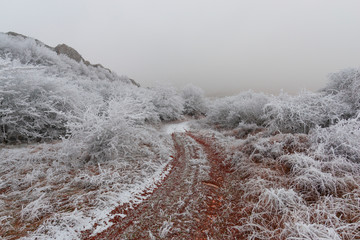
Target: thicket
[
  {"x": 99, "y": 138},
  {"x": 45, "y": 96},
  {"x": 295, "y": 172},
  {"x": 339, "y": 100},
  {"x": 194, "y": 101},
  {"x": 300, "y": 113},
  {"x": 246, "y": 107},
  {"x": 345, "y": 85}
]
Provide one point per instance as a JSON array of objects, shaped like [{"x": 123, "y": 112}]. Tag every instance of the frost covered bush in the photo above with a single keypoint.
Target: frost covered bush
[
  {"x": 245, "y": 107},
  {"x": 286, "y": 187},
  {"x": 339, "y": 140},
  {"x": 42, "y": 91},
  {"x": 263, "y": 146},
  {"x": 33, "y": 107},
  {"x": 108, "y": 146},
  {"x": 194, "y": 102},
  {"x": 298, "y": 114},
  {"x": 313, "y": 178},
  {"x": 37, "y": 106},
  {"x": 118, "y": 133},
  {"x": 168, "y": 103},
  {"x": 290, "y": 114},
  {"x": 244, "y": 130},
  {"x": 301, "y": 230},
  {"x": 280, "y": 200},
  {"x": 345, "y": 85},
  {"x": 43, "y": 94}
]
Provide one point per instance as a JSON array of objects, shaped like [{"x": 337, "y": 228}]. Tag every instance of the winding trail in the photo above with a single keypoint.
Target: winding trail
[{"x": 185, "y": 205}]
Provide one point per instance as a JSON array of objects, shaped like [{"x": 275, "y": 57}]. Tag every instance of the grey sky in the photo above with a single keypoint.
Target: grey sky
[{"x": 223, "y": 46}]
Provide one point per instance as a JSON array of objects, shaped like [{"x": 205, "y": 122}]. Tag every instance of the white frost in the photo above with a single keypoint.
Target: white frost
[{"x": 177, "y": 127}]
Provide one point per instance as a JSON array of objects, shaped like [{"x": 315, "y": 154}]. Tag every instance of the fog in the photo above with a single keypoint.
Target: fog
[{"x": 223, "y": 47}]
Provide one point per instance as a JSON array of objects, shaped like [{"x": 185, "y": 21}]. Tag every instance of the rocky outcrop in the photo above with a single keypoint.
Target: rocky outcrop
[
  {"x": 134, "y": 82},
  {"x": 75, "y": 55},
  {"x": 70, "y": 52}
]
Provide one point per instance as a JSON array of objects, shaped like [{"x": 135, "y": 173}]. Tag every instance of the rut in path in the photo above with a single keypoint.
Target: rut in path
[{"x": 185, "y": 205}]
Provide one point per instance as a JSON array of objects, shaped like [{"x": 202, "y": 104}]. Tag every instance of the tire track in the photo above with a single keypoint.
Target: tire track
[{"x": 184, "y": 205}]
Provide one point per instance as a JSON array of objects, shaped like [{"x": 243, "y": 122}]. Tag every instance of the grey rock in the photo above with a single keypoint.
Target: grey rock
[{"x": 70, "y": 52}]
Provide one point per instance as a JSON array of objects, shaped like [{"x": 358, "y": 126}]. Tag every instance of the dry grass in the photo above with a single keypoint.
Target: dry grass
[
  {"x": 43, "y": 192},
  {"x": 280, "y": 189}
]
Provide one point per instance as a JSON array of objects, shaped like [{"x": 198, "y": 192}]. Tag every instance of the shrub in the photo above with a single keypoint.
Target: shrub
[
  {"x": 298, "y": 114},
  {"x": 194, "y": 102},
  {"x": 245, "y": 107},
  {"x": 340, "y": 140},
  {"x": 345, "y": 85},
  {"x": 32, "y": 106},
  {"x": 168, "y": 103}
]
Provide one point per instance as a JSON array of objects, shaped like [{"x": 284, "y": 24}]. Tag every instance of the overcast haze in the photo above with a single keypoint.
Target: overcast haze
[{"x": 223, "y": 46}]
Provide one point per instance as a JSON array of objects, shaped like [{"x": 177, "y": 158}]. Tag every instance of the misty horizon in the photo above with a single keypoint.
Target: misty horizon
[{"x": 223, "y": 48}]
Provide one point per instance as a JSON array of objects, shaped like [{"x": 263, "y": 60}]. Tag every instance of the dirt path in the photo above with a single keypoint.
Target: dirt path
[{"x": 185, "y": 205}]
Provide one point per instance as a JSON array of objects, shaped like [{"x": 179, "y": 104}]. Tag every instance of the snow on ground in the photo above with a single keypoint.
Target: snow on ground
[
  {"x": 134, "y": 197},
  {"x": 69, "y": 225},
  {"x": 177, "y": 127}
]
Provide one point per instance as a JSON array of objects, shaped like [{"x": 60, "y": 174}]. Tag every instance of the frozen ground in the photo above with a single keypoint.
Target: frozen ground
[{"x": 186, "y": 203}]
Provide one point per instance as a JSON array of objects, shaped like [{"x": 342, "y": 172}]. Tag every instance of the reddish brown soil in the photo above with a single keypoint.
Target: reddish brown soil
[
  {"x": 185, "y": 205},
  {"x": 213, "y": 189}
]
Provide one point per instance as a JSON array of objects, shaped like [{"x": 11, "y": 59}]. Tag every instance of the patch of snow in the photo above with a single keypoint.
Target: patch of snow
[
  {"x": 177, "y": 127},
  {"x": 134, "y": 197},
  {"x": 69, "y": 225}
]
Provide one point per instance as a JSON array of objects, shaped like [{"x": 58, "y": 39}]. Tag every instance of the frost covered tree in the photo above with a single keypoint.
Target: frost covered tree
[
  {"x": 168, "y": 103},
  {"x": 194, "y": 101},
  {"x": 345, "y": 85},
  {"x": 246, "y": 107},
  {"x": 339, "y": 140}
]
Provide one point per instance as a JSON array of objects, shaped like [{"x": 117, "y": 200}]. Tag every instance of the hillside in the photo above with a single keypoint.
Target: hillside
[{"x": 86, "y": 154}]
